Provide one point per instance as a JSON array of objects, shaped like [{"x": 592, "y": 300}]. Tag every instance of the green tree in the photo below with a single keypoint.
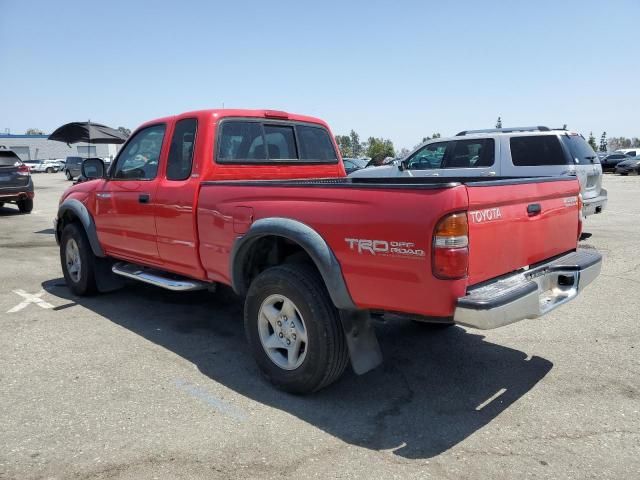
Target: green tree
[
  {"x": 603, "y": 142},
  {"x": 499, "y": 123},
  {"x": 379, "y": 148},
  {"x": 125, "y": 131},
  {"x": 592, "y": 141},
  {"x": 344, "y": 144},
  {"x": 34, "y": 131},
  {"x": 356, "y": 147}
]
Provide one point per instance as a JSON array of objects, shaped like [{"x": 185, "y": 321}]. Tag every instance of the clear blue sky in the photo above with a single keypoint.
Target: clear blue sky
[{"x": 398, "y": 69}]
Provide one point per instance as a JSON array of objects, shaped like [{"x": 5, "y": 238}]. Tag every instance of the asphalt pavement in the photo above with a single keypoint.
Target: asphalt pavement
[{"x": 143, "y": 383}]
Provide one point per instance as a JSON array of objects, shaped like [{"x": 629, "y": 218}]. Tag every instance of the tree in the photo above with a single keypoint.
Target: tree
[
  {"x": 603, "y": 142},
  {"x": 378, "y": 149},
  {"x": 125, "y": 131},
  {"x": 499, "y": 123},
  {"x": 403, "y": 153},
  {"x": 344, "y": 144},
  {"x": 34, "y": 131},
  {"x": 592, "y": 141},
  {"x": 356, "y": 147}
]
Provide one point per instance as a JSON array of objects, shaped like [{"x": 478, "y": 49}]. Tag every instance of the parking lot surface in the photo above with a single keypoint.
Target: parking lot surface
[{"x": 144, "y": 383}]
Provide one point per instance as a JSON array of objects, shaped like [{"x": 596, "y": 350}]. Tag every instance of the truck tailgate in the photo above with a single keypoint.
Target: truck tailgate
[{"x": 512, "y": 225}]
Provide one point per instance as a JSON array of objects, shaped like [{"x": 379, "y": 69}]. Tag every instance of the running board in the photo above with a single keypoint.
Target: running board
[{"x": 158, "y": 278}]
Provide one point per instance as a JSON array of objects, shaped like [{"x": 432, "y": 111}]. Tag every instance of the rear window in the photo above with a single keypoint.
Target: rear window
[
  {"x": 8, "y": 158},
  {"x": 581, "y": 151},
  {"x": 534, "y": 151},
  {"x": 241, "y": 141}
]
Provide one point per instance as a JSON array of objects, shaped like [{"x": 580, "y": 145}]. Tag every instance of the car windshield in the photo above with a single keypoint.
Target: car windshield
[{"x": 358, "y": 162}]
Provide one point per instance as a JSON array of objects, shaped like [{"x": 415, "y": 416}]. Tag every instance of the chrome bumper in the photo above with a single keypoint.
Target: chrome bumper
[
  {"x": 528, "y": 294},
  {"x": 596, "y": 204}
]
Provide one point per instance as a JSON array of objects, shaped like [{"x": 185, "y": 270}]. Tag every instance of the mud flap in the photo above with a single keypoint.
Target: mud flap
[
  {"x": 364, "y": 349},
  {"x": 106, "y": 281}
]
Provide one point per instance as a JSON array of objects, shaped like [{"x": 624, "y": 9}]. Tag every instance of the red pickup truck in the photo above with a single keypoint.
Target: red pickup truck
[{"x": 259, "y": 200}]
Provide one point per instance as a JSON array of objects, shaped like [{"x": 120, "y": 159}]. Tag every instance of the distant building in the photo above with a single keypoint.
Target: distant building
[{"x": 38, "y": 147}]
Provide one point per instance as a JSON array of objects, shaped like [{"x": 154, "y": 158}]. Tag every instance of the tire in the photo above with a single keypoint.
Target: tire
[
  {"x": 68, "y": 175},
  {"x": 324, "y": 355},
  {"x": 81, "y": 281},
  {"x": 25, "y": 205},
  {"x": 49, "y": 170}
]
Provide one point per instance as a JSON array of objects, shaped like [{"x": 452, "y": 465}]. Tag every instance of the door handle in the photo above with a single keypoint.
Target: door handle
[
  {"x": 534, "y": 209},
  {"x": 144, "y": 198}
]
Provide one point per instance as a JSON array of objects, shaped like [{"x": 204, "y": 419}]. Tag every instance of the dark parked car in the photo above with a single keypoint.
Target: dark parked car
[
  {"x": 632, "y": 165},
  {"x": 72, "y": 167},
  {"x": 610, "y": 161},
  {"x": 15, "y": 181},
  {"x": 353, "y": 164}
]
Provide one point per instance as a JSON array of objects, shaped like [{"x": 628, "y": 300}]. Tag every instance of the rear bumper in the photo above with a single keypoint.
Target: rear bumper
[
  {"x": 528, "y": 294},
  {"x": 596, "y": 204},
  {"x": 8, "y": 194}
]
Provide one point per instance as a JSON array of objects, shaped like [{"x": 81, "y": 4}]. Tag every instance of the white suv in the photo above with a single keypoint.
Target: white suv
[{"x": 505, "y": 152}]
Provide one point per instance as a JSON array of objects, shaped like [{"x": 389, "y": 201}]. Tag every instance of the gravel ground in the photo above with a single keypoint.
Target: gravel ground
[{"x": 143, "y": 383}]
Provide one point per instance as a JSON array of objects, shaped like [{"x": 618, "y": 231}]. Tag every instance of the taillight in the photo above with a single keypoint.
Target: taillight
[
  {"x": 23, "y": 170},
  {"x": 451, "y": 247}
]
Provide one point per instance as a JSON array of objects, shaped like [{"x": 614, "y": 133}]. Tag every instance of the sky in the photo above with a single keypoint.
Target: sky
[{"x": 394, "y": 69}]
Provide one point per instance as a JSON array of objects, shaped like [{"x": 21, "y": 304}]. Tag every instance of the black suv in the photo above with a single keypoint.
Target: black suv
[{"x": 15, "y": 181}]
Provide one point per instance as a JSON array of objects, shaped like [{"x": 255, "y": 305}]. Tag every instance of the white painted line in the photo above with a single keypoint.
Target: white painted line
[
  {"x": 28, "y": 299},
  {"x": 491, "y": 399}
]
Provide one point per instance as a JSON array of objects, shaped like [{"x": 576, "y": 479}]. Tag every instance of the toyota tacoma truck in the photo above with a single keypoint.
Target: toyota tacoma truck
[{"x": 259, "y": 200}]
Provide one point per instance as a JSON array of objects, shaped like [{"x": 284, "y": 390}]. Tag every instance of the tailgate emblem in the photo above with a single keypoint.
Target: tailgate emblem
[{"x": 487, "y": 215}]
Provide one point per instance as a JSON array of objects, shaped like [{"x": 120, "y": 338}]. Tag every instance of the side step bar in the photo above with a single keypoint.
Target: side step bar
[{"x": 158, "y": 278}]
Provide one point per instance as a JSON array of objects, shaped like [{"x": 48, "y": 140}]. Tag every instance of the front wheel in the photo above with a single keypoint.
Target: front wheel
[
  {"x": 49, "y": 170},
  {"x": 294, "y": 330},
  {"x": 68, "y": 175},
  {"x": 77, "y": 260}
]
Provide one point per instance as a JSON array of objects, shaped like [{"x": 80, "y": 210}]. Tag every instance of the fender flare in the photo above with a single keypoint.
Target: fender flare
[
  {"x": 312, "y": 243},
  {"x": 78, "y": 209}
]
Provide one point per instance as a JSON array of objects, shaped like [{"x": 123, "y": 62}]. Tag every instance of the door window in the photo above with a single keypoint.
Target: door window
[
  {"x": 475, "y": 153},
  {"x": 139, "y": 158},
  {"x": 180, "y": 158},
  {"x": 428, "y": 157}
]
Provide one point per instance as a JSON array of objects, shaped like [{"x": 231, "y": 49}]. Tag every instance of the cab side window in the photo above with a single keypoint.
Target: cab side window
[
  {"x": 428, "y": 157},
  {"x": 139, "y": 158},
  {"x": 180, "y": 159}
]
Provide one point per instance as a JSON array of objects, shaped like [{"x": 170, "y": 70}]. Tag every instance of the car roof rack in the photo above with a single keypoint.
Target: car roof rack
[{"x": 538, "y": 128}]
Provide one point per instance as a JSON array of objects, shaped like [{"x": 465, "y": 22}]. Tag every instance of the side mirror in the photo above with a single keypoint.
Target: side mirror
[
  {"x": 92, "y": 168},
  {"x": 403, "y": 164}
]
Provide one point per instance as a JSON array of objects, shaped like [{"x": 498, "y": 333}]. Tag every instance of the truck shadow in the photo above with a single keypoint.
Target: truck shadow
[{"x": 431, "y": 393}]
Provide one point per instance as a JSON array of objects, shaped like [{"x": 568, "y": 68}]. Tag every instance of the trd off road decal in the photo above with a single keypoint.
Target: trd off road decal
[
  {"x": 487, "y": 215},
  {"x": 384, "y": 248},
  {"x": 570, "y": 201}
]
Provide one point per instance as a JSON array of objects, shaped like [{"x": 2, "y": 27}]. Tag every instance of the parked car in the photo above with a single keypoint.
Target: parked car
[
  {"x": 259, "y": 200},
  {"x": 610, "y": 160},
  {"x": 631, "y": 152},
  {"x": 353, "y": 164},
  {"x": 505, "y": 153},
  {"x": 16, "y": 185},
  {"x": 43, "y": 166},
  {"x": 72, "y": 167},
  {"x": 629, "y": 166}
]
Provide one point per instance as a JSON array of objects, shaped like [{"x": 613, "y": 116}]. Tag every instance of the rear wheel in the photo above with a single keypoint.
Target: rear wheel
[
  {"x": 25, "y": 205},
  {"x": 77, "y": 260},
  {"x": 49, "y": 170},
  {"x": 68, "y": 175},
  {"x": 294, "y": 329}
]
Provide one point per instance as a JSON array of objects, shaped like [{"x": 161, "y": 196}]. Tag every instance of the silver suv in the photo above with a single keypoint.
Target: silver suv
[{"x": 505, "y": 152}]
